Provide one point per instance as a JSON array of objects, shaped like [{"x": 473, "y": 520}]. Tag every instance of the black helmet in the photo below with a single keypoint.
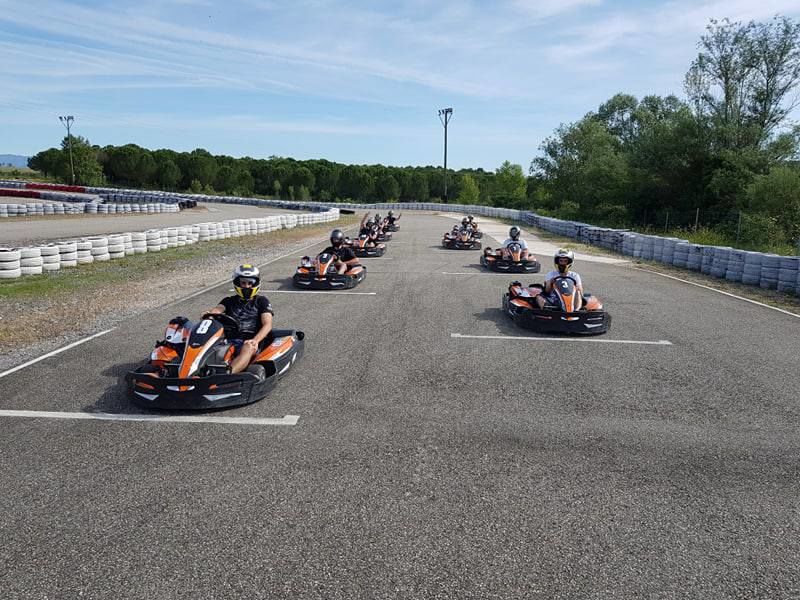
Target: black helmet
[
  {"x": 514, "y": 232},
  {"x": 469, "y": 217},
  {"x": 391, "y": 213},
  {"x": 337, "y": 238},
  {"x": 370, "y": 223},
  {"x": 250, "y": 274},
  {"x": 464, "y": 221}
]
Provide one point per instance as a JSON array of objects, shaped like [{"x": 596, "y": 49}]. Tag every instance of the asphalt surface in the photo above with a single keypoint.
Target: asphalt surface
[
  {"x": 423, "y": 465},
  {"x": 18, "y": 231}
]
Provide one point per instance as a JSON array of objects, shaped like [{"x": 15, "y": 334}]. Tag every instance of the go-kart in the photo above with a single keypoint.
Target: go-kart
[
  {"x": 190, "y": 368},
  {"x": 392, "y": 226},
  {"x": 363, "y": 250},
  {"x": 321, "y": 274},
  {"x": 509, "y": 260},
  {"x": 462, "y": 240},
  {"x": 572, "y": 313}
]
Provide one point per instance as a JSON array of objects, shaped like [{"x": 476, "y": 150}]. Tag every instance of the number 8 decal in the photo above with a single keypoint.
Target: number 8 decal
[{"x": 203, "y": 327}]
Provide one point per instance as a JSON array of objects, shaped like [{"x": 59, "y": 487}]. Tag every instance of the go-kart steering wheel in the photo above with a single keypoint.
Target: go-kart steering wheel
[{"x": 227, "y": 321}]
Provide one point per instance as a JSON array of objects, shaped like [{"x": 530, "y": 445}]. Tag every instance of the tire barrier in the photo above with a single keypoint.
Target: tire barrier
[{"x": 751, "y": 268}]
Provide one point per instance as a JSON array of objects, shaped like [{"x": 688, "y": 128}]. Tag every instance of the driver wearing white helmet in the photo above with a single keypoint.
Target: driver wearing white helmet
[
  {"x": 251, "y": 311},
  {"x": 563, "y": 259},
  {"x": 513, "y": 238}
]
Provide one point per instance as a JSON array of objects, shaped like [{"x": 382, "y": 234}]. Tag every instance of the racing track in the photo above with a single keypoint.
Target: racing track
[{"x": 424, "y": 465}]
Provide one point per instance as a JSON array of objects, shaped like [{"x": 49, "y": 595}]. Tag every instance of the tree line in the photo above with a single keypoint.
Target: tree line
[
  {"x": 201, "y": 172},
  {"x": 723, "y": 157}
]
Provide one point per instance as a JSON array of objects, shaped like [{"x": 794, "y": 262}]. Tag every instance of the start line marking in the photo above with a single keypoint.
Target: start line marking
[
  {"x": 287, "y": 420},
  {"x": 561, "y": 339}
]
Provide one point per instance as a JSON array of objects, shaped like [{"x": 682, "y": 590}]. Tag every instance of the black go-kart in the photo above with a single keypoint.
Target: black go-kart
[{"x": 362, "y": 249}]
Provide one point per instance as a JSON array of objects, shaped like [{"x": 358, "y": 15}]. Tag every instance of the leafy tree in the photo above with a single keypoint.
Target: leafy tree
[
  {"x": 46, "y": 161},
  {"x": 84, "y": 159},
  {"x": 416, "y": 188},
  {"x": 387, "y": 189},
  {"x": 470, "y": 193},
  {"x": 510, "y": 184},
  {"x": 168, "y": 175}
]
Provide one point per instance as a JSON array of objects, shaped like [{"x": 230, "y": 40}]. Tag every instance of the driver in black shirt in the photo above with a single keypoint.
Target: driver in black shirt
[
  {"x": 252, "y": 312},
  {"x": 345, "y": 257}
]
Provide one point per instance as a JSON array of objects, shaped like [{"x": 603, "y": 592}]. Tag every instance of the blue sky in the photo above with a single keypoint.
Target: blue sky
[{"x": 353, "y": 82}]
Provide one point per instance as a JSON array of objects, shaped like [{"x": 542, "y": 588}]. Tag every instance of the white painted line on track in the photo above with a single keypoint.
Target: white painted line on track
[
  {"x": 326, "y": 292},
  {"x": 40, "y": 414},
  {"x": 562, "y": 339},
  {"x": 54, "y": 352},
  {"x": 473, "y": 273},
  {"x": 780, "y": 310}
]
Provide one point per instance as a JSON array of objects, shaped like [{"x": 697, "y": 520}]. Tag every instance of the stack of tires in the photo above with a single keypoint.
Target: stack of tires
[
  {"x": 681, "y": 255},
  {"x": 9, "y": 263},
  {"x": 770, "y": 265},
  {"x": 787, "y": 275},
  {"x": 720, "y": 264},
  {"x": 751, "y": 272},
  {"x": 99, "y": 249},
  {"x": 30, "y": 261},
  {"x": 139, "y": 242},
  {"x": 116, "y": 246},
  {"x": 51, "y": 257},
  {"x": 85, "y": 256},
  {"x": 695, "y": 258},
  {"x": 68, "y": 254},
  {"x": 735, "y": 268}
]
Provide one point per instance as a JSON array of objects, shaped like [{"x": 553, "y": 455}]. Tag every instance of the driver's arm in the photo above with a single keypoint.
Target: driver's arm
[
  {"x": 548, "y": 286},
  {"x": 266, "y": 327},
  {"x": 364, "y": 219},
  {"x": 219, "y": 309}
]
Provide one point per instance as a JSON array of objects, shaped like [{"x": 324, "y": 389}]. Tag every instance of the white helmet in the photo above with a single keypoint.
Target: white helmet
[
  {"x": 514, "y": 232},
  {"x": 564, "y": 253}
]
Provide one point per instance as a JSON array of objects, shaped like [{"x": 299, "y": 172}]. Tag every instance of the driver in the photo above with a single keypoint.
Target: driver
[
  {"x": 513, "y": 238},
  {"x": 367, "y": 228},
  {"x": 391, "y": 218},
  {"x": 252, "y": 312},
  {"x": 563, "y": 261},
  {"x": 345, "y": 257}
]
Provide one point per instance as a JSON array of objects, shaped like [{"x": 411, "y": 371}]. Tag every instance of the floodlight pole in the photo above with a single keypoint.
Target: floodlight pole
[
  {"x": 67, "y": 122},
  {"x": 445, "y": 114}
]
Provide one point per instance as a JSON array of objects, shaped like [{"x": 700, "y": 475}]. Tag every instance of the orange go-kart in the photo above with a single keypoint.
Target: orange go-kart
[
  {"x": 190, "y": 368},
  {"x": 321, "y": 274},
  {"x": 510, "y": 260},
  {"x": 571, "y": 313}
]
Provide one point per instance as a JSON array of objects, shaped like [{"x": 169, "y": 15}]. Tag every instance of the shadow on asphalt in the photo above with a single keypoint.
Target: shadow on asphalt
[
  {"x": 115, "y": 398},
  {"x": 496, "y": 315}
]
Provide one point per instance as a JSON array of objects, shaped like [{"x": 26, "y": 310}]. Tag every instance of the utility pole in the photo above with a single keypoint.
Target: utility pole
[
  {"x": 445, "y": 114},
  {"x": 67, "y": 122}
]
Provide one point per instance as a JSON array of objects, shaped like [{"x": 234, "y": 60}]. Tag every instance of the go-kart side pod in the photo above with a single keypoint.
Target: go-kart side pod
[
  {"x": 282, "y": 349},
  {"x": 588, "y": 321}
]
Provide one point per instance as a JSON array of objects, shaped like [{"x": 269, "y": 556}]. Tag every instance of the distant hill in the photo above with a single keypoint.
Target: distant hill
[{"x": 14, "y": 159}]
